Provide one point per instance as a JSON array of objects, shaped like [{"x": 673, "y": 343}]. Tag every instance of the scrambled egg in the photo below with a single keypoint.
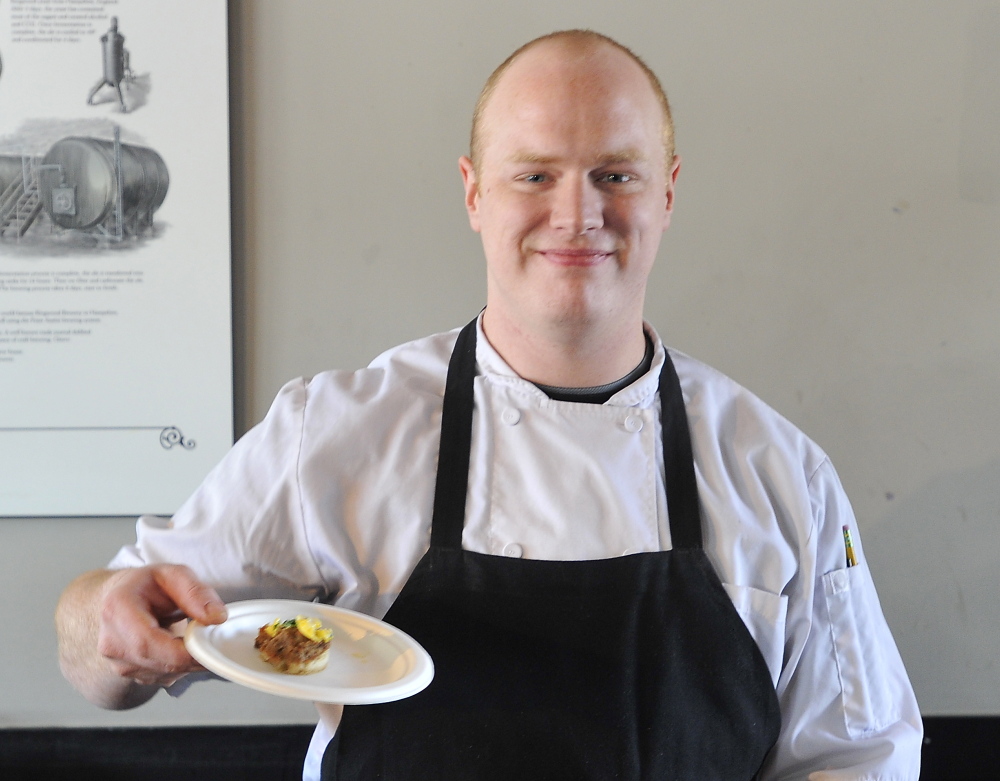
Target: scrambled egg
[{"x": 310, "y": 628}]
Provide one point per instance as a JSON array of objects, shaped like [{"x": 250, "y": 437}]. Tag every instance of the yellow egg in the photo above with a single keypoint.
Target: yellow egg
[{"x": 313, "y": 629}]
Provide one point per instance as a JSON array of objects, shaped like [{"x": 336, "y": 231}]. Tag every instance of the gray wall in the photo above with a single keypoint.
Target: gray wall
[{"x": 834, "y": 249}]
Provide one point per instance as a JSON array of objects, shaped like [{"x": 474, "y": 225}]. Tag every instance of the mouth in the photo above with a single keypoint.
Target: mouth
[{"x": 574, "y": 256}]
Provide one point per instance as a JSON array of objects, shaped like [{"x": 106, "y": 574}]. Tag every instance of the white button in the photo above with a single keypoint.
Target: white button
[
  {"x": 510, "y": 416},
  {"x": 633, "y": 423},
  {"x": 840, "y": 581},
  {"x": 513, "y": 550}
]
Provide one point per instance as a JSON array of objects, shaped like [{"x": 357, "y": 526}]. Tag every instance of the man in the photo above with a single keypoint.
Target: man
[{"x": 623, "y": 564}]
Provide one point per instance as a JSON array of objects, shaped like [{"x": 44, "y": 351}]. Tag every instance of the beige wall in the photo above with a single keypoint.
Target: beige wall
[{"x": 835, "y": 248}]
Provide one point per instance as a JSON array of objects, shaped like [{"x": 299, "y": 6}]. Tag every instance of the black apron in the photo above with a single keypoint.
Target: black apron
[{"x": 637, "y": 667}]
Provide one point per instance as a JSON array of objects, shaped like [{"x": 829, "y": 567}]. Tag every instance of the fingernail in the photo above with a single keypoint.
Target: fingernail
[{"x": 216, "y": 611}]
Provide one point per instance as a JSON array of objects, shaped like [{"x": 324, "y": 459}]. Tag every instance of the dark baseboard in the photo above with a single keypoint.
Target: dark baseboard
[
  {"x": 956, "y": 748},
  {"x": 961, "y": 748},
  {"x": 259, "y": 753}
]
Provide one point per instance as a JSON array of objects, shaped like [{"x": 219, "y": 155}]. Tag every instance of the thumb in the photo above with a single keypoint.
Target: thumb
[{"x": 196, "y": 599}]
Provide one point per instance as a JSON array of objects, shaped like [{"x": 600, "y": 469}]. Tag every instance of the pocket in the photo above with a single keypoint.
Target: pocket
[
  {"x": 764, "y": 615},
  {"x": 860, "y": 666}
]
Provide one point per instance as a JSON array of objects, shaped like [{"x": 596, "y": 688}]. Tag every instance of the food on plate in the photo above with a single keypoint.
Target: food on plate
[{"x": 297, "y": 646}]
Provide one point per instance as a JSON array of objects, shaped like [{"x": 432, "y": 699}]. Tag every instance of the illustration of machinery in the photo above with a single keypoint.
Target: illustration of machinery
[
  {"x": 19, "y": 201},
  {"x": 115, "y": 60},
  {"x": 105, "y": 188}
]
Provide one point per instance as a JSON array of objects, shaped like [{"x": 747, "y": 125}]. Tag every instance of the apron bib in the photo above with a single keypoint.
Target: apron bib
[{"x": 636, "y": 667}]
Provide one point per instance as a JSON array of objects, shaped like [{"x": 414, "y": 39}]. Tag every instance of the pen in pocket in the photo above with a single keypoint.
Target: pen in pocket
[{"x": 852, "y": 560}]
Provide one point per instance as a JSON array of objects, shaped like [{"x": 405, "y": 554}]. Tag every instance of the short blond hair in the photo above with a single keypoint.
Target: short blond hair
[{"x": 586, "y": 37}]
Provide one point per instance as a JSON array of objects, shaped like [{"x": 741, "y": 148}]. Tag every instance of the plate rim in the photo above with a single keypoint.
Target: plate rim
[{"x": 198, "y": 643}]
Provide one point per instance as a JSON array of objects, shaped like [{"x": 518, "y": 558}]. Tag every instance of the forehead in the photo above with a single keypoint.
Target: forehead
[{"x": 573, "y": 98}]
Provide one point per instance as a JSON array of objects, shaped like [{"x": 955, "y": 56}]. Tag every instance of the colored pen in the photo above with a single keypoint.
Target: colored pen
[{"x": 852, "y": 560}]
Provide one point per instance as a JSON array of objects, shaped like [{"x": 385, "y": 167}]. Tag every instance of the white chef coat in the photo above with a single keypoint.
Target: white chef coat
[{"x": 331, "y": 496}]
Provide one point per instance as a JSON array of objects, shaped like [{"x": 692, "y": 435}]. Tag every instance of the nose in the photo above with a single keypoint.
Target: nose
[{"x": 577, "y": 206}]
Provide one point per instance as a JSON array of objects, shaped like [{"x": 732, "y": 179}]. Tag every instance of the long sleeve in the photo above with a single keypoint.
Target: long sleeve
[
  {"x": 242, "y": 530},
  {"x": 848, "y": 709}
]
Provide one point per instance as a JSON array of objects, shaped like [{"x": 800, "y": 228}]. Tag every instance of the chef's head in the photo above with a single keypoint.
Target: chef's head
[
  {"x": 581, "y": 38},
  {"x": 570, "y": 179}
]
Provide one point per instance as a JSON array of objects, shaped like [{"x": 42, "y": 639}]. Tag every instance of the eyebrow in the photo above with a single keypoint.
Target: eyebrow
[{"x": 615, "y": 158}]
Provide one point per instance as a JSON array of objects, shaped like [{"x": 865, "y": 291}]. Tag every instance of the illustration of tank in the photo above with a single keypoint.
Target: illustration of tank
[
  {"x": 84, "y": 185},
  {"x": 89, "y": 183},
  {"x": 115, "y": 61}
]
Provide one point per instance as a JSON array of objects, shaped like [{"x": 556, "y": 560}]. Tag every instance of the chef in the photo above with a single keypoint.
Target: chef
[{"x": 623, "y": 564}]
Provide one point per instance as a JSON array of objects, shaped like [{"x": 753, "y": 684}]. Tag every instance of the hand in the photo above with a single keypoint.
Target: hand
[{"x": 137, "y": 610}]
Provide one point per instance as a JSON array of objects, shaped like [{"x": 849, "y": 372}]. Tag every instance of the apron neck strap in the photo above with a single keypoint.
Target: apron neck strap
[
  {"x": 452, "y": 483},
  {"x": 456, "y": 443},
  {"x": 678, "y": 461}
]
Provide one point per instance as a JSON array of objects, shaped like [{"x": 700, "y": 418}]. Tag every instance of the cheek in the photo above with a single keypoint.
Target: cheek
[
  {"x": 642, "y": 229},
  {"x": 508, "y": 221},
  {"x": 647, "y": 220}
]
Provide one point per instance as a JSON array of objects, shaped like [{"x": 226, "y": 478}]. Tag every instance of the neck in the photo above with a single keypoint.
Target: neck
[{"x": 567, "y": 355}]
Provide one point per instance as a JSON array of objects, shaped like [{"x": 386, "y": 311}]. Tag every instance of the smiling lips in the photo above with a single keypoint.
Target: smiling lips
[{"x": 569, "y": 256}]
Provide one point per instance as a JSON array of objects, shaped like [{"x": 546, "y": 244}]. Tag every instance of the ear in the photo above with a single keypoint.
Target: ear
[
  {"x": 471, "y": 191},
  {"x": 671, "y": 189}
]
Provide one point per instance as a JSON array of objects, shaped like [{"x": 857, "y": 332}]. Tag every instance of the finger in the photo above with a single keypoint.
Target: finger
[
  {"x": 135, "y": 643},
  {"x": 192, "y": 597},
  {"x": 132, "y": 634},
  {"x": 162, "y": 682}
]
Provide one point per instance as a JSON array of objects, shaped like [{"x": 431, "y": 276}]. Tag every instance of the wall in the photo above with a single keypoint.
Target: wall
[{"x": 834, "y": 249}]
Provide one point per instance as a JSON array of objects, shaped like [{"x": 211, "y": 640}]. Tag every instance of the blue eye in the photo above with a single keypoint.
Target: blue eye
[
  {"x": 616, "y": 178},
  {"x": 534, "y": 178}
]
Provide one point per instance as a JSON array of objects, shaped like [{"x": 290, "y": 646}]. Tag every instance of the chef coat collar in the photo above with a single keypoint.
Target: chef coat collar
[{"x": 641, "y": 393}]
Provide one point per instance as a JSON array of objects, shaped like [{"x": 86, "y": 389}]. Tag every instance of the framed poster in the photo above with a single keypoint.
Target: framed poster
[{"x": 115, "y": 299}]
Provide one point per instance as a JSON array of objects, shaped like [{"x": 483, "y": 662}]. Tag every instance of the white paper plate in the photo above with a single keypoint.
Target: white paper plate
[{"x": 370, "y": 661}]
